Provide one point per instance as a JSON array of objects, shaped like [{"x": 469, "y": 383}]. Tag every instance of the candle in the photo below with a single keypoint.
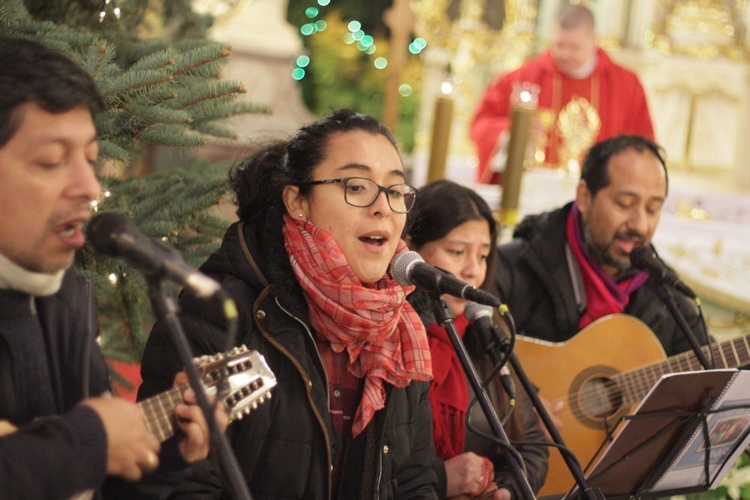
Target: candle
[
  {"x": 441, "y": 131},
  {"x": 524, "y": 100}
]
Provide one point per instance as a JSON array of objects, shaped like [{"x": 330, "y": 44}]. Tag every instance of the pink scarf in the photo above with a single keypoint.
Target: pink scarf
[
  {"x": 378, "y": 328},
  {"x": 603, "y": 295}
]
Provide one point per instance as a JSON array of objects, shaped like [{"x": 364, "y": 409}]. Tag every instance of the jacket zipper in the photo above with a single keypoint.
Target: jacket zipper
[
  {"x": 328, "y": 396},
  {"x": 380, "y": 471}
]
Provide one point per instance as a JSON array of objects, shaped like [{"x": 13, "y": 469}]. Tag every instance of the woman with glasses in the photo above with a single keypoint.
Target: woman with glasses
[
  {"x": 452, "y": 228},
  {"x": 320, "y": 219}
]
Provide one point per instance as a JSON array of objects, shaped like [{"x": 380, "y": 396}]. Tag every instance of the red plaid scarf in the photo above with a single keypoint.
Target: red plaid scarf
[{"x": 381, "y": 332}]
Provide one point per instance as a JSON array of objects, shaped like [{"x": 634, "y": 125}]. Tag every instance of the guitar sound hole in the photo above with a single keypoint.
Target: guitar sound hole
[{"x": 599, "y": 398}]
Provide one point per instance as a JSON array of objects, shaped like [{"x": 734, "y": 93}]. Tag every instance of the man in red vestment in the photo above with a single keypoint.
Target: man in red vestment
[{"x": 577, "y": 82}]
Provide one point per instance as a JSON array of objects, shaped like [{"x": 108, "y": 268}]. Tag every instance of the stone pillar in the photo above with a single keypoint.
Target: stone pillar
[{"x": 264, "y": 44}]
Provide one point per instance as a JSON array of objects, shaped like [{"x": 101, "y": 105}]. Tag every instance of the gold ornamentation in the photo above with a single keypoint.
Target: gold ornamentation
[
  {"x": 477, "y": 39},
  {"x": 704, "y": 29},
  {"x": 546, "y": 118},
  {"x": 579, "y": 125},
  {"x": 685, "y": 209}
]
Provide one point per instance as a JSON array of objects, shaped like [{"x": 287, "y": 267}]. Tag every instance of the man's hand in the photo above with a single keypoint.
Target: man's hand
[
  {"x": 554, "y": 410},
  {"x": 132, "y": 450},
  {"x": 196, "y": 443}
]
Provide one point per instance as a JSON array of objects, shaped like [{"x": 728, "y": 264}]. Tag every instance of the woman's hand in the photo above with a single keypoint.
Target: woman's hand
[{"x": 468, "y": 474}]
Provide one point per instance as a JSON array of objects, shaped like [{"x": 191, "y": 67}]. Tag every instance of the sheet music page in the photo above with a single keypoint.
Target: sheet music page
[
  {"x": 728, "y": 436},
  {"x": 662, "y": 380},
  {"x": 652, "y": 438}
]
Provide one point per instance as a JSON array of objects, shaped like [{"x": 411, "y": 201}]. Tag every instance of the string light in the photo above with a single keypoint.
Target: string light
[
  {"x": 115, "y": 10},
  {"x": 417, "y": 45},
  {"x": 364, "y": 42},
  {"x": 95, "y": 203}
]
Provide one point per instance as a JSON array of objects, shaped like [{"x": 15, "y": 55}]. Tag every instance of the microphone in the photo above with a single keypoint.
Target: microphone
[
  {"x": 113, "y": 234},
  {"x": 409, "y": 268},
  {"x": 481, "y": 317},
  {"x": 645, "y": 258}
]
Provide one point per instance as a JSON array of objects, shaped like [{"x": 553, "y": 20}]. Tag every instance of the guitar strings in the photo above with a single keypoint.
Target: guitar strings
[{"x": 625, "y": 389}]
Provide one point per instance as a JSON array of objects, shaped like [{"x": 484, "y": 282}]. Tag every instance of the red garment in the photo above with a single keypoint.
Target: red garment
[
  {"x": 380, "y": 331},
  {"x": 613, "y": 90},
  {"x": 449, "y": 393},
  {"x": 343, "y": 388}
]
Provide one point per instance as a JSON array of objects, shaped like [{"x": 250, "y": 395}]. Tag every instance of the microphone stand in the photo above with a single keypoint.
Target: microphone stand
[
  {"x": 445, "y": 318},
  {"x": 570, "y": 460},
  {"x": 684, "y": 327},
  {"x": 166, "y": 309}
]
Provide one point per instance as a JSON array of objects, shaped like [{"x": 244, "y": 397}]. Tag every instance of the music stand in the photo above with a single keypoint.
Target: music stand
[{"x": 660, "y": 450}]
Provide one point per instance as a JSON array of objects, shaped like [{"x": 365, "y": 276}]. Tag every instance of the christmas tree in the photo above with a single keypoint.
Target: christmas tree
[{"x": 159, "y": 75}]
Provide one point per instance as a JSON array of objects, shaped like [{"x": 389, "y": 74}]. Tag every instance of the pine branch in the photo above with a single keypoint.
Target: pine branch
[
  {"x": 146, "y": 112},
  {"x": 204, "y": 60},
  {"x": 213, "y": 91},
  {"x": 108, "y": 150}
]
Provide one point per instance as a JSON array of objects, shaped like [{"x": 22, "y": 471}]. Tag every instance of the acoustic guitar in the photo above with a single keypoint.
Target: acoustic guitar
[
  {"x": 600, "y": 374},
  {"x": 247, "y": 382}
]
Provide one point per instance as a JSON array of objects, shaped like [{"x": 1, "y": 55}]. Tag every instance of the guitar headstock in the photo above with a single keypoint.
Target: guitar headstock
[{"x": 247, "y": 379}]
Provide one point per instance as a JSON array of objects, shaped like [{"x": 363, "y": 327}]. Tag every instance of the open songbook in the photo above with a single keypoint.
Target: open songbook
[{"x": 683, "y": 437}]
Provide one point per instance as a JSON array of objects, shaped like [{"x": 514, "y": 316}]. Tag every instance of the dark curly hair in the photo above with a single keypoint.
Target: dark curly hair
[{"x": 258, "y": 182}]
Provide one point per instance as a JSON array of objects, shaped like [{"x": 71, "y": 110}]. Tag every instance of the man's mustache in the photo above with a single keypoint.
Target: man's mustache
[{"x": 631, "y": 235}]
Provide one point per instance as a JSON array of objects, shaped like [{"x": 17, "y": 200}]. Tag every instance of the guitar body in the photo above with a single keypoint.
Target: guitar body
[{"x": 578, "y": 372}]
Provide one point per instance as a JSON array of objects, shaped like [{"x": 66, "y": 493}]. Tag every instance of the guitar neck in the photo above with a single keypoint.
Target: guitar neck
[
  {"x": 730, "y": 354},
  {"x": 243, "y": 375},
  {"x": 159, "y": 412}
]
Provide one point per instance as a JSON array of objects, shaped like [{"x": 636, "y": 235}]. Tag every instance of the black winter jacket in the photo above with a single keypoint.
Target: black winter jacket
[
  {"x": 534, "y": 280},
  {"x": 286, "y": 447},
  {"x": 58, "y": 454}
]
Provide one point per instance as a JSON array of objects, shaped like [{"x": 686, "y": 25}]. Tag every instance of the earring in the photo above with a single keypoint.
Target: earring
[{"x": 301, "y": 216}]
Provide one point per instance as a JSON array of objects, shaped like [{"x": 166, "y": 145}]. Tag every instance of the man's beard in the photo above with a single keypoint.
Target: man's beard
[{"x": 601, "y": 253}]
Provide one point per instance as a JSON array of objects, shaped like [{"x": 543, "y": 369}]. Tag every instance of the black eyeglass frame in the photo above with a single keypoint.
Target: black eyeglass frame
[{"x": 381, "y": 189}]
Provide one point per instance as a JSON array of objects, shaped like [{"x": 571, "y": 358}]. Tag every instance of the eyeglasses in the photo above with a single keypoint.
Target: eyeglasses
[{"x": 362, "y": 192}]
